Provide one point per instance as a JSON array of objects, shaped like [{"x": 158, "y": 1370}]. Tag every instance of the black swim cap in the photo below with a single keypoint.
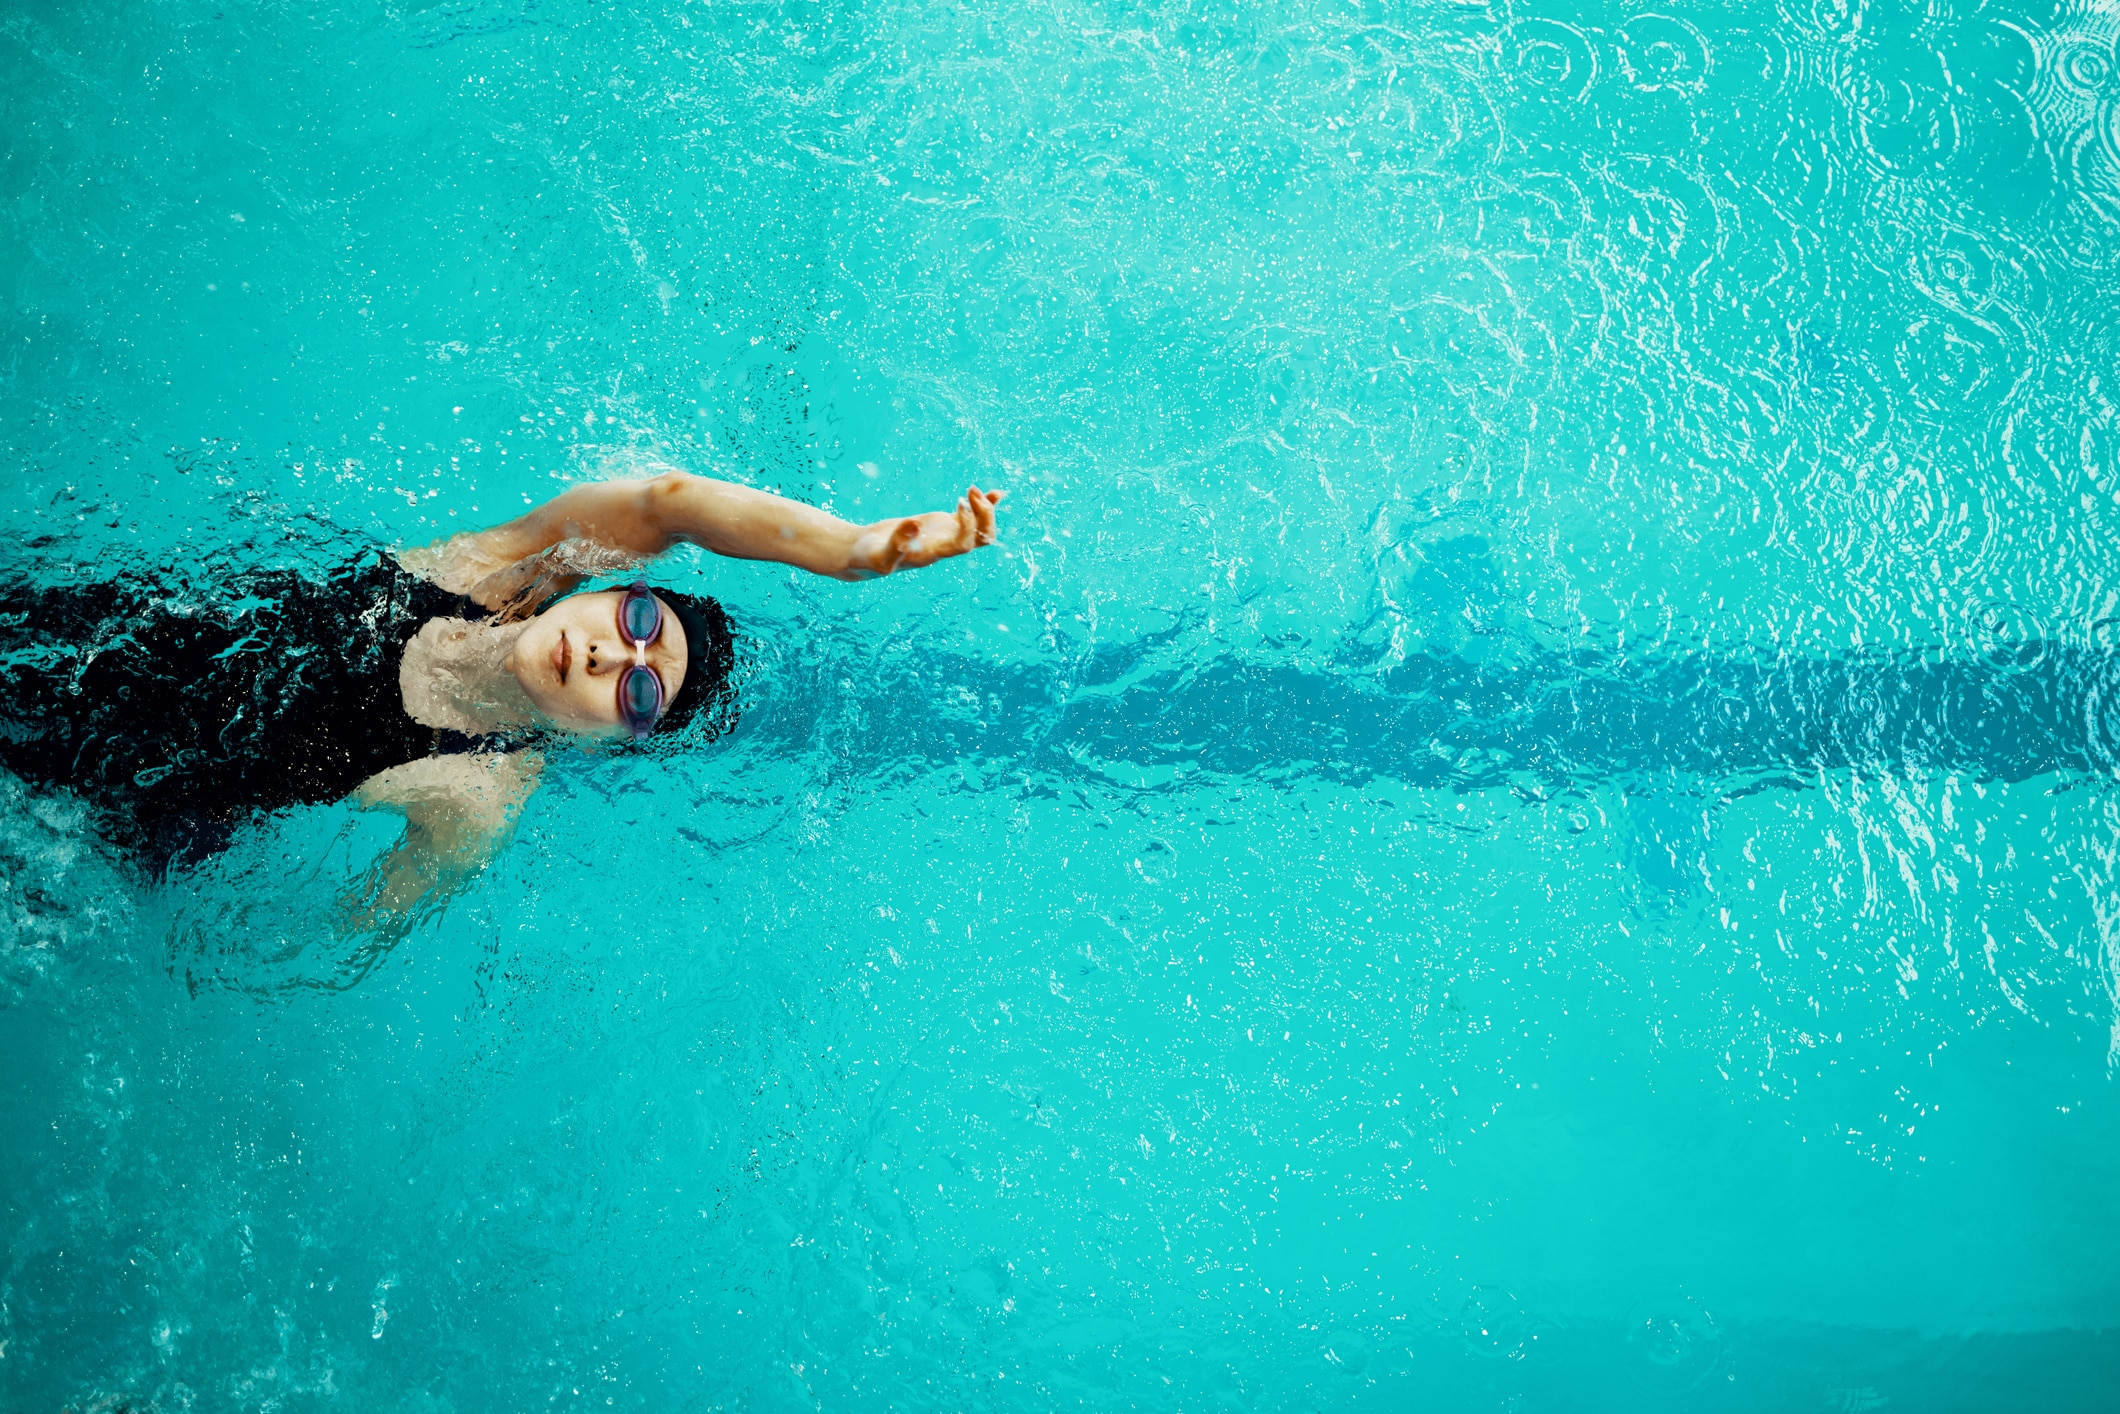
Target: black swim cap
[{"x": 709, "y": 655}]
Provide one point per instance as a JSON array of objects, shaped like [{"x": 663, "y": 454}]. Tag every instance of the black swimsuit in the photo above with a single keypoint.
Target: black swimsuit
[{"x": 180, "y": 719}]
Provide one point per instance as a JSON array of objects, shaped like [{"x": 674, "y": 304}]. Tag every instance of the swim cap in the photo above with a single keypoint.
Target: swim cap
[{"x": 709, "y": 655}]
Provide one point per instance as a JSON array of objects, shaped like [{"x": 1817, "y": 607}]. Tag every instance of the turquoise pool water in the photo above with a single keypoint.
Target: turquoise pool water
[{"x": 1523, "y": 821}]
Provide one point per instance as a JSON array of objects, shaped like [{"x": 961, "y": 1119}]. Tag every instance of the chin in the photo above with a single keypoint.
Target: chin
[
  {"x": 529, "y": 663},
  {"x": 531, "y": 659}
]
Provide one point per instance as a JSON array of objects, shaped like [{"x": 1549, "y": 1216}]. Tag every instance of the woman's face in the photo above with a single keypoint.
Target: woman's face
[{"x": 569, "y": 659}]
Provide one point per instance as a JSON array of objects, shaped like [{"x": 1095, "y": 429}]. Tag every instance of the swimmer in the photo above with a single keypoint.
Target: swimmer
[{"x": 422, "y": 685}]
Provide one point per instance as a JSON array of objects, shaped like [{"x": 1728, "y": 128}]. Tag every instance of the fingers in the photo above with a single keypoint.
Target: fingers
[{"x": 981, "y": 505}]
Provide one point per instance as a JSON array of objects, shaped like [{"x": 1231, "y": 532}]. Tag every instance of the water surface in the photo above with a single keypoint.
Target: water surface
[{"x": 1523, "y": 821}]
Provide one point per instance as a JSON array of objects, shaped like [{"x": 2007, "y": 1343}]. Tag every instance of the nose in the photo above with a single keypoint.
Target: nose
[{"x": 608, "y": 653}]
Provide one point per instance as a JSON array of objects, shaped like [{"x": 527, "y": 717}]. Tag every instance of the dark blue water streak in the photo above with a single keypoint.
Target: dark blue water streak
[{"x": 1556, "y": 721}]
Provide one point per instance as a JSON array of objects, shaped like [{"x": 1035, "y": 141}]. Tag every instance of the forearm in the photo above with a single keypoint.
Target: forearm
[
  {"x": 412, "y": 869},
  {"x": 748, "y": 524},
  {"x": 415, "y": 872}
]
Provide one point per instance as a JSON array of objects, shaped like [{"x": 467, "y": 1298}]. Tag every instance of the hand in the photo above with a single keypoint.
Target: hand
[{"x": 909, "y": 542}]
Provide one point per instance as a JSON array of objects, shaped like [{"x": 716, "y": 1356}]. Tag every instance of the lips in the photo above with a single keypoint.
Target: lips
[{"x": 562, "y": 656}]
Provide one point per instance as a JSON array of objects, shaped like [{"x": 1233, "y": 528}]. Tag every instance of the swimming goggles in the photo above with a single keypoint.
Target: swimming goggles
[{"x": 640, "y": 690}]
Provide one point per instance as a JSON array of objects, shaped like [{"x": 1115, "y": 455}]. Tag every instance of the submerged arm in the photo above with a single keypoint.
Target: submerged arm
[
  {"x": 457, "y": 809},
  {"x": 647, "y": 516}
]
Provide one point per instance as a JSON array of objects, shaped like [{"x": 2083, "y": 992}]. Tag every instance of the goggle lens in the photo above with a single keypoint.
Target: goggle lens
[
  {"x": 639, "y": 696},
  {"x": 639, "y": 616}
]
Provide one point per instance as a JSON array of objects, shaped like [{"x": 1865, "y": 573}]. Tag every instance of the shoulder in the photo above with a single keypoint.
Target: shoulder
[
  {"x": 484, "y": 571},
  {"x": 459, "y": 564}
]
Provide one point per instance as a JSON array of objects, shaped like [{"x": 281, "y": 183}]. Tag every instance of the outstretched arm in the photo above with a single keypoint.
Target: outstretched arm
[{"x": 647, "y": 516}]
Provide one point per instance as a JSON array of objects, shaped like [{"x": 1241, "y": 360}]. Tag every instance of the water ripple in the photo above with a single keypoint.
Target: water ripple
[
  {"x": 1551, "y": 59},
  {"x": 1662, "y": 51}
]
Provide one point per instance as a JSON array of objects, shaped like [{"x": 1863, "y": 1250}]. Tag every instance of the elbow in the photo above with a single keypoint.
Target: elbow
[
  {"x": 663, "y": 508},
  {"x": 669, "y": 486}
]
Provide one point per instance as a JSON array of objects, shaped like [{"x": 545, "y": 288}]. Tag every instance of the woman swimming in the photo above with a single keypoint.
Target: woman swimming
[{"x": 420, "y": 685}]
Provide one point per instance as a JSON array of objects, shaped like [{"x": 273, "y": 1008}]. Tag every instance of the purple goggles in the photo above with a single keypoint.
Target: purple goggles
[{"x": 640, "y": 690}]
